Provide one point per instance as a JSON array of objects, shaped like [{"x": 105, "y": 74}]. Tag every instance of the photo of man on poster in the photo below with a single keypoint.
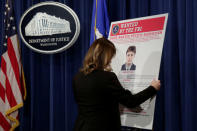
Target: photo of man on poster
[{"x": 130, "y": 55}]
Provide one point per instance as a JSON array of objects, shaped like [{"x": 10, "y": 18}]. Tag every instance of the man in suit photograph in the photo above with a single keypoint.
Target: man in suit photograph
[{"x": 130, "y": 55}]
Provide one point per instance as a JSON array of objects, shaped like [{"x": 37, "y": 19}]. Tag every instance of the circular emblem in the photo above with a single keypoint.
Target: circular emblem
[
  {"x": 49, "y": 27},
  {"x": 115, "y": 29}
]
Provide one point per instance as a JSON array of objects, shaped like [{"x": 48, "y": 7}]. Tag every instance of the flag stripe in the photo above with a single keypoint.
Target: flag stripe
[
  {"x": 9, "y": 94},
  {"x": 2, "y": 80},
  {"x": 2, "y": 92},
  {"x": 14, "y": 63},
  {"x": 16, "y": 50},
  {"x": 3, "y": 65},
  {"x": 4, "y": 123},
  {"x": 4, "y": 106},
  {"x": 2, "y": 85},
  {"x": 1, "y": 129},
  {"x": 12, "y": 80}
]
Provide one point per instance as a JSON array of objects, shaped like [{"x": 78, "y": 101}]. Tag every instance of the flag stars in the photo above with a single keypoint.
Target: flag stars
[
  {"x": 6, "y": 36},
  {"x": 8, "y": 8},
  {"x": 6, "y": 5},
  {"x": 5, "y": 13},
  {"x": 14, "y": 28},
  {"x": 11, "y": 18},
  {"x": 8, "y": 25},
  {"x": 5, "y": 44}
]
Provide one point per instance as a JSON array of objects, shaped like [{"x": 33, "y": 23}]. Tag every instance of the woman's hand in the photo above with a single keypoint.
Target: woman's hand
[{"x": 156, "y": 84}]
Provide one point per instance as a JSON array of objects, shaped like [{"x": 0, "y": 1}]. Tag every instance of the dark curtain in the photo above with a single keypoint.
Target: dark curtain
[{"x": 50, "y": 105}]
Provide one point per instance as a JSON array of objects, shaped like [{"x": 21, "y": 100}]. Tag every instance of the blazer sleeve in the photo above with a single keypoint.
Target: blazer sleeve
[{"x": 125, "y": 97}]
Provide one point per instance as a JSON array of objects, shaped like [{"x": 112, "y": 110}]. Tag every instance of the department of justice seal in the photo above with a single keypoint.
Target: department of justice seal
[{"x": 49, "y": 27}]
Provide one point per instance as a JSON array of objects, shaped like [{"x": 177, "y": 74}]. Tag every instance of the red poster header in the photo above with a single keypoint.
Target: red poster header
[{"x": 146, "y": 25}]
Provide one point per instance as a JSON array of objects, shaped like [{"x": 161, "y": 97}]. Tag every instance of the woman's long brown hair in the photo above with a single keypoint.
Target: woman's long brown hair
[{"x": 98, "y": 56}]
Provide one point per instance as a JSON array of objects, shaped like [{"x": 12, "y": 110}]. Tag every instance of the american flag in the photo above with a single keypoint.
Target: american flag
[{"x": 12, "y": 85}]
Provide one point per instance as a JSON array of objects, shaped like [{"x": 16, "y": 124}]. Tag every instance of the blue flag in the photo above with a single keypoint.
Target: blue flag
[{"x": 100, "y": 20}]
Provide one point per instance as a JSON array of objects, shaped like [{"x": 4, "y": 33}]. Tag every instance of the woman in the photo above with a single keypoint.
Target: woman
[
  {"x": 98, "y": 92},
  {"x": 130, "y": 55}
]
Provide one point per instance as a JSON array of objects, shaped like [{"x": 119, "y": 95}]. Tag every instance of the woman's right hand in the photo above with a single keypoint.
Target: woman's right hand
[{"x": 156, "y": 84}]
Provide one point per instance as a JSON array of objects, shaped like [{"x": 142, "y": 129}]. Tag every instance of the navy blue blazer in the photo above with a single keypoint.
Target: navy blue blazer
[{"x": 98, "y": 95}]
